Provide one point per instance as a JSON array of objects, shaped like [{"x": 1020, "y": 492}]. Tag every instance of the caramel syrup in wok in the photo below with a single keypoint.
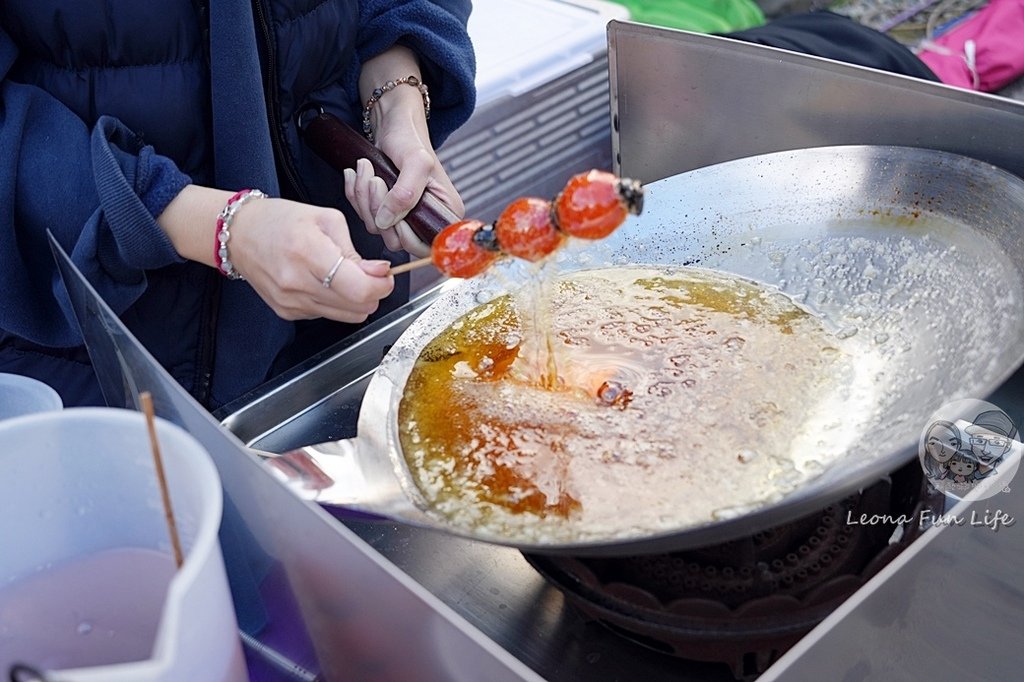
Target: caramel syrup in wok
[{"x": 723, "y": 376}]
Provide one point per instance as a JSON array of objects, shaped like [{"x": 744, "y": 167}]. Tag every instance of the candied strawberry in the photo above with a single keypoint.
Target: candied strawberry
[
  {"x": 524, "y": 229},
  {"x": 457, "y": 252},
  {"x": 594, "y": 204}
]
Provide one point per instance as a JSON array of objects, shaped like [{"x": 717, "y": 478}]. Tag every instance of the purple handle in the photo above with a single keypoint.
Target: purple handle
[{"x": 341, "y": 146}]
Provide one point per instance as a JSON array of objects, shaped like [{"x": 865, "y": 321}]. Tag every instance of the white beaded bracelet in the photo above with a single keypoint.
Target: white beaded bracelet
[
  {"x": 387, "y": 87},
  {"x": 224, "y": 220}
]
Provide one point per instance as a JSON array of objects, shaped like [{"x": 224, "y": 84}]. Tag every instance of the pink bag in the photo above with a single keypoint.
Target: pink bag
[{"x": 984, "y": 52}]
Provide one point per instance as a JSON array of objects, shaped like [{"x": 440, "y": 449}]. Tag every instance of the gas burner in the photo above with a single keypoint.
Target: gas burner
[{"x": 745, "y": 602}]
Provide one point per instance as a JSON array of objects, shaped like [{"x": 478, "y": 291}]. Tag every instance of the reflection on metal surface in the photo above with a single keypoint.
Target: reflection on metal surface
[{"x": 300, "y": 471}]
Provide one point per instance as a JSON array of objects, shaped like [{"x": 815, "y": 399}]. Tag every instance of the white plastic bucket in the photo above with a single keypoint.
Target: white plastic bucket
[
  {"x": 20, "y": 396},
  {"x": 88, "y": 586}
]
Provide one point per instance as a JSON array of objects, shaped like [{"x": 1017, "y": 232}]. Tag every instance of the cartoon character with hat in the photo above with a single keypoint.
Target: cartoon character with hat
[{"x": 990, "y": 437}]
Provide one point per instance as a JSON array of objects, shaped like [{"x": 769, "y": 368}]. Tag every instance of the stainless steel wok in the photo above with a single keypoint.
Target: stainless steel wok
[{"x": 918, "y": 249}]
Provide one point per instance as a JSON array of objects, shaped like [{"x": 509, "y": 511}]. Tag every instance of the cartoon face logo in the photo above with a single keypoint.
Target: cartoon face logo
[{"x": 970, "y": 447}]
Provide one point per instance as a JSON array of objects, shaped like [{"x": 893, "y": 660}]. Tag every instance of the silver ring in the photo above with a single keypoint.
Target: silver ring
[{"x": 334, "y": 270}]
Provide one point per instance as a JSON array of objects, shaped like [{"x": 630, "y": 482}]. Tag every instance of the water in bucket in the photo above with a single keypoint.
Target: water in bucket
[{"x": 96, "y": 610}]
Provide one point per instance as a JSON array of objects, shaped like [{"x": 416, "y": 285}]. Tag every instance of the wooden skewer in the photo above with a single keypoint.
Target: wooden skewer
[
  {"x": 147, "y": 408},
  {"x": 411, "y": 265}
]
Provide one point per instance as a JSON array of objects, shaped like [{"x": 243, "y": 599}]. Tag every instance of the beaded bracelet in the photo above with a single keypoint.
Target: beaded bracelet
[
  {"x": 224, "y": 220},
  {"x": 387, "y": 87}
]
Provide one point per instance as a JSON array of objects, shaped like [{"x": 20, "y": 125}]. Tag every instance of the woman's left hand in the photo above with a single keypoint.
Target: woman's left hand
[
  {"x": 400, "y": 129},
  {"x": 382, "y": 210}
]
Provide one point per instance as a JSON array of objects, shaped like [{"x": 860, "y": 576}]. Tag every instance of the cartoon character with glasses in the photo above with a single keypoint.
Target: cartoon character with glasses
[{"x": 990, "y": 438}]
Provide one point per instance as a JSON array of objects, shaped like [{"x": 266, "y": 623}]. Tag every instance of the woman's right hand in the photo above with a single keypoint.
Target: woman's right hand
[{"x": 284, "y": 249}]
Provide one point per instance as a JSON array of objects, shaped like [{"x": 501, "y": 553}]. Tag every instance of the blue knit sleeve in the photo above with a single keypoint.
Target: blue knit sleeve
[
  {"x": 134, "y": 184},
  {"x": 436, "y": 31},
  {"x": 97, "y": 191}
]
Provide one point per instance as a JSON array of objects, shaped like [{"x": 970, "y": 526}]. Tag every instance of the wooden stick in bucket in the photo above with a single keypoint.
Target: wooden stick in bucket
[{"x": 147, "y": 408}]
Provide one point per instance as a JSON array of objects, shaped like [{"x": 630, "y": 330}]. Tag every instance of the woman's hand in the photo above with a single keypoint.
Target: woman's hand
[
  {"x": 284, "y": 249},
  {"x": 400, "y": 130}
]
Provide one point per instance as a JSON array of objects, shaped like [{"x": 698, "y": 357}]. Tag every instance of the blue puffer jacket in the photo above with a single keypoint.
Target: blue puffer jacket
[{"x": 109, "y": 107}]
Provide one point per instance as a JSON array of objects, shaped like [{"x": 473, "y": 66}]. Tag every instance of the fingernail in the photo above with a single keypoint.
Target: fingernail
[
  {"x": 384, "y": 219},
  {"x": 350, "y": 176},
  {"x": 378, "y": 268}
]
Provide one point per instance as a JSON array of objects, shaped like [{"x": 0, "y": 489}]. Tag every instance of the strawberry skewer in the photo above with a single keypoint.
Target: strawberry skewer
[{"x": 591, "y": 206}]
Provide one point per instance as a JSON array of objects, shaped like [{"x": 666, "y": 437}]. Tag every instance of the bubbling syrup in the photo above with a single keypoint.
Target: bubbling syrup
[{"x": 677, "y": 397}]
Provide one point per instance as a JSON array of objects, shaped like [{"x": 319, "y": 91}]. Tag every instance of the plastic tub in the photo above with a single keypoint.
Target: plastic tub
[{"x": 89, "y": 591}]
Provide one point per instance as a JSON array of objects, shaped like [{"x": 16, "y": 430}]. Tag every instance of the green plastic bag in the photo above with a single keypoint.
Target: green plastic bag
[{"x": 702, "y": 16}]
